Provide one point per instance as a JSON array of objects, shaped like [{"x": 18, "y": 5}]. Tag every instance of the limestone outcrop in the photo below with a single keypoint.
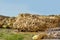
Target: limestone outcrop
[
  {"x": 29, "y": 22},
  {"x": 34, "y": 23},
  {"x": 6, "y": 22}
]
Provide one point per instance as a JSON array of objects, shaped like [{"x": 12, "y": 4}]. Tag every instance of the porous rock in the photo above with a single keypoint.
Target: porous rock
[{"x": 33, "y": 23}]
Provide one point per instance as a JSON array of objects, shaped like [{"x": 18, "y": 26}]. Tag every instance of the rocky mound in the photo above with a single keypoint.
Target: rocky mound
[
  {"x": 30, "y": 23},
  {"x": 6, "y": 22},
  {"x": 33, "y": 23}
]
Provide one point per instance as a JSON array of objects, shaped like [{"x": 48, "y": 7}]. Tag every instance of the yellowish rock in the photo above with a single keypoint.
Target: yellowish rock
[{"x": 39, "y": 36}]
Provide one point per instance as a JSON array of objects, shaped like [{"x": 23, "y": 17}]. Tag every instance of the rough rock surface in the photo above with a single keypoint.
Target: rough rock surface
[
  {"x": 33, "y": 23},
  {"x": 6, "y": 22},
  {"x": 48, "y": 34},
  {"x": 30, "y": 23}
]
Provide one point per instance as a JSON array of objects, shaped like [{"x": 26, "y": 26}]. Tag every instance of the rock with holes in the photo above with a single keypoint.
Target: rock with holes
[{"x": 33, "y": 23}]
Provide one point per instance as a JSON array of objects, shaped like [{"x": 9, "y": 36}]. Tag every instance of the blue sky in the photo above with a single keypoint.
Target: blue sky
[{"x": 43, "y": 7}]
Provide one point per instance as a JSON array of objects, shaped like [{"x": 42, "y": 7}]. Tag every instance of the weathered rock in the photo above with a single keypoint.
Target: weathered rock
[
  {"x": 10, "y": 22},
  {"x": 2, "y": 20},
  {"x": 39, "y": 36},
  {"x": 33, "y": 23},
  {"x": 30, "y": 23},
  {"x": 50, "y": 34},
  {"x": 6, "y": 21}
]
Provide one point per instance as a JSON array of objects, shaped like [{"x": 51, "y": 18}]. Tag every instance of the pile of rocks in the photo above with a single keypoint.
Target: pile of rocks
[
  {"x": 29, "y": 22},
  {"x": 6, "y": 22},
  {"x": 34, "y": 23}
]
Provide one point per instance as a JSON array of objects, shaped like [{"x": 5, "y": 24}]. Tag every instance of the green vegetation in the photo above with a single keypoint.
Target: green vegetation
[{"x": 11, "y": 36}]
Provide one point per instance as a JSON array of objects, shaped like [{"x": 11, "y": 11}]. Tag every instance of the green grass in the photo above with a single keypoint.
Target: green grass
[
  {"x": 7, "y": 34},
  {"x": 11, "y": 36}
]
